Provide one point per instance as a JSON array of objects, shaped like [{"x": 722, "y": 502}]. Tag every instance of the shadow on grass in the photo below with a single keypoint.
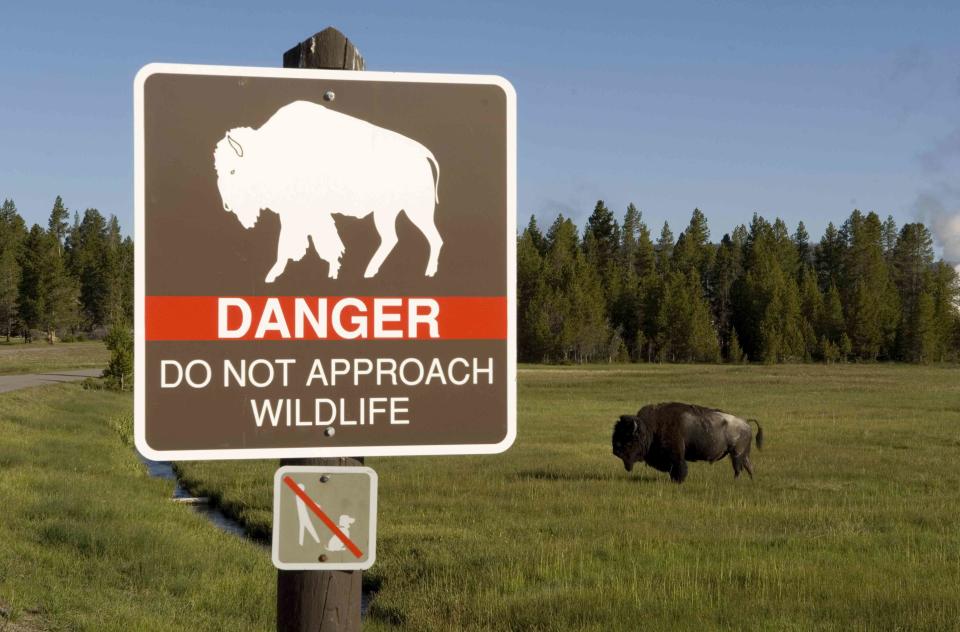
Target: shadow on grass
[
  {"x": 562, "y": 476},
  {"x": 647, "y": 478}
]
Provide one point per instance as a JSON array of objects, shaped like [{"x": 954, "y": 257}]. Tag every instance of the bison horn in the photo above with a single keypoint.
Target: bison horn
[{"x": 237, "y": 147}]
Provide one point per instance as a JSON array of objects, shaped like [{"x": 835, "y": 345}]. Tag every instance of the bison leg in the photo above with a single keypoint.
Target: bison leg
[
  {"x": 748, "y": 465},
  {"x": 276, "y": 270},
  {"x": 387, "y": 227},
  {"x": 737, "y": 465},
  {"x": 424, "y": 221},
  {"x": 292, "y": 245},
  {"x": 327, "y": 242},
  {"x": 678, "y": 471},
  {"x": 678, "y": 462}
]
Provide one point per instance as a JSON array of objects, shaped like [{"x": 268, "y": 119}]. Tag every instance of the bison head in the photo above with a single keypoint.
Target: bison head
[
  {"x": 628, "y": 443},
  {"x": 235, "y": 179}
]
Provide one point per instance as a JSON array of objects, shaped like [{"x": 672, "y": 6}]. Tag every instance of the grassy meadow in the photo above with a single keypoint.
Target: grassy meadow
[
  {"x": 851, "y": 524},
  {"x": 40, "y": 357},
  {"x": 91, "y": 542}
]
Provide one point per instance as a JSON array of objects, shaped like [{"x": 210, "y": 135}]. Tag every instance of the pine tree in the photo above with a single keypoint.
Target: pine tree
[
  {"x": 592, "y": 331},
  {"x": 782, "y": 326},
  {"x": 602, "y": 232},
  {"x": 945, "y": 293},
  {"x": 643, "y": 301},
  {"x": 664, "y": 249},
  {"x": 889, "y": 237},
  {"x": 630, "y": 235},
  {"x": 645, "y": 260},
  {"x": 651, "y": 293},
  {"x": 739, "y": 236},
  {"x": 126, "y": 274},
  {"x": 703, "y": 345},
  {"x": 573, "y": 298},
  {"x": 912, "y": 258},
  {"x": 559, "y": 270},
  {"x": 693, "y": 250},
  {"x": 726, "y": 270},
  {"x": 57, "y": 223},
  {"x": 921, "y": 342},
  {"x": 873, "y": 306},
  {"x": 845, "y": 346},
  {"x": 832, "y": 321},
  {"x": 92, "y": 266},
  {"x": 811, "y": 310},
  {"x": 114, "y": 277},
  {"x": 48, "y": 295},
  {"x": 828, "y": 257},
  {"x": 70, "y": 246},
  {"x": 601, "y": 245},
  {"x": 12, "y": 235},
  {"x": 686, "y": 331},
  {"x": 536, "y": 236},
  {"x": 767, "y": 302},
  {"x": 698, "y": 231},
  {"x": 735, "y": 353},
  {"x": 645, "y": 291},
  {"x": 785, "y": 249},
  {"x": 801, "y": 239},
  {"x": 626, "y": 313},
  {"x": 532, "y": 328},
  {"x": 863, "y": 322},
  {"x": 119, "y": 371}
]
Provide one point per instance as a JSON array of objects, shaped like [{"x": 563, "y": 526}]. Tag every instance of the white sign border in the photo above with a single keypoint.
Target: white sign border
[
  {"x": 139, "y": 395},
  {"x": 325, "y": 566}
]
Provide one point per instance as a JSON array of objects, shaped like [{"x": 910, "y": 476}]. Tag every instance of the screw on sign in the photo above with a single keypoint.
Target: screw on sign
[{"x": 325, "y": 518}]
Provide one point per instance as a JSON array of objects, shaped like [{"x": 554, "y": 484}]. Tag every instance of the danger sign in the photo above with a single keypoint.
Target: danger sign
[{"x": 325, "y": 263}]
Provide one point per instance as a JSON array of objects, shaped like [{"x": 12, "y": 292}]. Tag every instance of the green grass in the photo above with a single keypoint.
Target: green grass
[
  {"x": 37, "y": 357},
  {"x": 91, "y": 542},
  {"x": 851, "y": 524}
]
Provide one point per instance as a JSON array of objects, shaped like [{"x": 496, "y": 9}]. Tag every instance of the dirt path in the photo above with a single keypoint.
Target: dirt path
[{"x": 14, "y": 382}]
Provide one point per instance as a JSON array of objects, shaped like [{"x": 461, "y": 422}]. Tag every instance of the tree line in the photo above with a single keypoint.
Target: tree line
[
  {"x": 65, "y": 280},
  {"x": 867, "y": 290}
]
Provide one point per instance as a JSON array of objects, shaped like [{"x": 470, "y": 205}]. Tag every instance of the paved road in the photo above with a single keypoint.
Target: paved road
[{"x": 14, "y": 382}]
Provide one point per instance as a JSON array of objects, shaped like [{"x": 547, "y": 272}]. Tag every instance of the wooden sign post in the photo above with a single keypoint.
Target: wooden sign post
[{"x": 321, "y": 601}]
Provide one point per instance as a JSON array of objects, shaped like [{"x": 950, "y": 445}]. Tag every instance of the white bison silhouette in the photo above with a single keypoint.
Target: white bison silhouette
[{"x": 308, "y": 162}]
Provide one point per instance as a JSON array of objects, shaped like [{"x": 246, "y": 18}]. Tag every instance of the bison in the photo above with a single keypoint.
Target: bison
[
  {"x": 666, "y": 436},
  {"x": 308, "y": 162}
]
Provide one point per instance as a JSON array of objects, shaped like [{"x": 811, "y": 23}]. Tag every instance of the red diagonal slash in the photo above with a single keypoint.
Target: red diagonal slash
[{"x": 326, "y": 519}]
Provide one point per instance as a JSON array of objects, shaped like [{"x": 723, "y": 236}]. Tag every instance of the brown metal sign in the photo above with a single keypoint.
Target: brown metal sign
[{"x": 325, "y": 263}]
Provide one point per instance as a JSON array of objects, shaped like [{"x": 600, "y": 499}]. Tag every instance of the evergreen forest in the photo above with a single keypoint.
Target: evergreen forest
[{"x": 867, "y": 291}]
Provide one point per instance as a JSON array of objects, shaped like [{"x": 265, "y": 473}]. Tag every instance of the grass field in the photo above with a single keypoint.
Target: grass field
[
  {"x": 37, "y": 357},
  {"x": 90, "y": 542},
  {"x": 851, "y": 524}
]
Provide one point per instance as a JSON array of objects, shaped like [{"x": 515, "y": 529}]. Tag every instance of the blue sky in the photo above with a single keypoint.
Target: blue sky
[{"x": 802, "y": 110}]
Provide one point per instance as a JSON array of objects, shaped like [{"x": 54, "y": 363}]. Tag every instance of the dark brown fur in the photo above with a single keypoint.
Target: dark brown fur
[{"x": 666, "y": 436}]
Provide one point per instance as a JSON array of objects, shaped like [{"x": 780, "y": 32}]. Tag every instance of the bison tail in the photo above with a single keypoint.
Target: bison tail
[
  {"x": 436, "y": 181},
  {"x": 759, "y": 434}
]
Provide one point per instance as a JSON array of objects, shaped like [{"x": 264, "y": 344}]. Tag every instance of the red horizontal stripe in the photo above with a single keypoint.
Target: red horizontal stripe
[{"x": 196, "y": 318}]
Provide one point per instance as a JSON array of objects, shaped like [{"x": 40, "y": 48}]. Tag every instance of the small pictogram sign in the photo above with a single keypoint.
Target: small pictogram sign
[{"x": 324, "y": 518}]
